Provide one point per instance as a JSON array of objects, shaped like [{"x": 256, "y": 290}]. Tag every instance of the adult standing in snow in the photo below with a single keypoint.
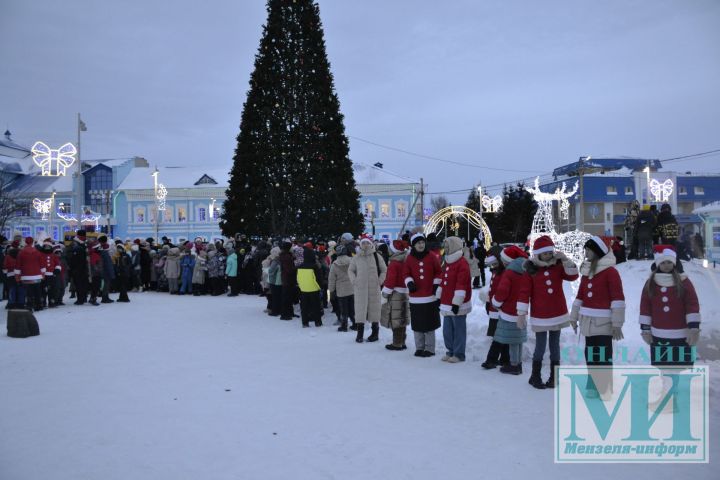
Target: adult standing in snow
[
  {"x": 79, "y": 267},
  {"x": 511, "y": 300},
  {"x": 455, "y": 295},
  {"x": 480, "y": 255},
  {"x": 307, "y": 279},
  {"x": 187, "y": 265},
  {"x": 199, "y": 271},
  {"x": 395, "y": 310},
  {"x": 422, "y": 277},
  {"x": 599, "y": 308},
  {"x": 123, "y": 267},
  {"x": 667, "y": 226},
  {"x": 289, "y": 281},
  {"x": 548, "y": 268},
  {"x": 341, "y": 288},
  {"x": 172, "y": 269},
  {"x": 644, "y": 229},
  {"x": 231, "y": 271},
  {"x": 30, "y": 271},
  {"x": 108, "y": 270},
  {"x": 367, "y": 273}
]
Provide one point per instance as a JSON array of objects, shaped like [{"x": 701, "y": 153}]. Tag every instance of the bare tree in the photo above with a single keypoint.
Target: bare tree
[
  {"x": 10, "y": 203},
  {"x": 439, "y": 202}
]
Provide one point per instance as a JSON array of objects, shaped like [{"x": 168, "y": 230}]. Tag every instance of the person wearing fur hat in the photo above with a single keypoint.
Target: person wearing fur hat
[
  {"x": 79, "y": 267},
  {"x": 199, "y": 271},
  {"x": 231, "y": 272},
  {"x": 172, "y": 269},
  {"x": 187, "y": 265},
  {"x": 367, "y": 272},
  {"x": 108, "y": 269},
  {"x": 669, "y": 315},
  {"x": 511, "y": 300},
  {"x": 455, "y": 295},
  {"x": 96, "y": 269},
  {"x": 341, "y": 289},
  {"x": 289, "y": 281},
  {"x": 395, "y": 310},
  {"x": 599, "y": 309},
  {"x": 274, "y": 282},
  {"x": 422, "y": 272},
  {"x": 548, "y": 269},
  {"x": 498, "y": 353}
]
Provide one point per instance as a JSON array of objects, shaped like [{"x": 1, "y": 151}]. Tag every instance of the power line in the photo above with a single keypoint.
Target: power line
[
  {"x": 437, "y": 159},
  {"x": 694, "y": 155}
]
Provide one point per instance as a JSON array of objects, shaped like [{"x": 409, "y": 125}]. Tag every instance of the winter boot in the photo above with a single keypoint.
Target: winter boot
[
  {"x": 343, "y": 326},
  {"x": 360, "y": 332},
  {"x": 535, "y": 378},
  {"x": 374, "y": 333},
  {"x": 492, "y": 356},
  {"x": 551, "y": 381},
  {"x": 398, "y": 342},
  {"x": 505, "y": 354},
  {"x": 511, "y": 369}
]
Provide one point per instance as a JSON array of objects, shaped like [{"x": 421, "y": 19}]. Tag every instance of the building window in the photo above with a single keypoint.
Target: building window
[
  {"x": 216, "y": 213},
  {"x": 39, "y": 232},
  {"x": 202, "y": 214},
  {"x": 682, "y": 190},
  {"x": 385, "y": 210},
  {"x": 55, "y": 233},
  {"x": 181, "y": 214},
  {"x": 139, "y": 215},
  {"x": 611, "y": 190},
  {"x": 716, "y": 237},
  {"x": 699, "y": 190},
  {"x": 401, "y": 209},
  {"x": 25, "y": 232},
  {"x": 168, "y": 216},
  {"x": 628, "y": 191}
]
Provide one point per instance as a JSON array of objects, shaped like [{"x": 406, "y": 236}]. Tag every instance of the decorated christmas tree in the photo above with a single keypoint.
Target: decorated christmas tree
[{"x": 292, "y": 174}]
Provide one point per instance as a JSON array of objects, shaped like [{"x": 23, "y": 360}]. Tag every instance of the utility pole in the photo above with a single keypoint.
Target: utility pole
[
  {"x": 580, "y": 214},
  {"x": 422, "y": 201}
]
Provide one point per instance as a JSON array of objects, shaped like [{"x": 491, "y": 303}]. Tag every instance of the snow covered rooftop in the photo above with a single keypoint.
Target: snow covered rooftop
[
  {"x": 371, "y": 175},
  {"x": 709, "y": 208},
  {"x": 42, "y": 184},
  {"x": 176, "y": 177}
]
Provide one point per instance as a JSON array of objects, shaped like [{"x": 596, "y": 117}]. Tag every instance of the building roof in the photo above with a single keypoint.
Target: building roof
[
  {"x": 42, "y": 184},
  {"x": 709, "y": 208},
  {"x": 174, "y": 177},
  {"x": 371, "y": 175},
  {"x": 594, "y": 165},
  {"x": 7, "y": 142}
]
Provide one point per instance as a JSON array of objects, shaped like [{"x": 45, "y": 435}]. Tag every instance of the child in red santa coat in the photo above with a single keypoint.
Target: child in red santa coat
[
  {"x": 669, "y": 312},
  {"x": 511, "y": 300},
  {"x": 548, "y": 269},
  {"x": 599, "y": 307},
  {"x": 498, "y": 353},
  {"x": 455, "y": 295},
  {"x": 421, "y": 270}
]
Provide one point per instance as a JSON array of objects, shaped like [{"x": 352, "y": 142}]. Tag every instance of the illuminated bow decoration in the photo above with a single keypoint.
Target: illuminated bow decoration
[
  {"x": 44, "y": 157},
  {"x": 492, "y": 204},
  {"x": 42, "y": 206},
  {"x": 661, "y": 191}
]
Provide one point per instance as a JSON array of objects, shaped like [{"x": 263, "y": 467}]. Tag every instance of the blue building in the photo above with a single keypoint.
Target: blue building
[{"x": 610, "y": 185}]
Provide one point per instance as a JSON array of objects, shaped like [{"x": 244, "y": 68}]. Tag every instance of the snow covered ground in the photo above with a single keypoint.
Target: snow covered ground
[{"x": 199, "y": 387}]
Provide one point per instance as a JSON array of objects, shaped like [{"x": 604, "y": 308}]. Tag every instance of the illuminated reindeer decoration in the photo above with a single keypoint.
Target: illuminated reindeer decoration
[{"x": 572, "y": 243}]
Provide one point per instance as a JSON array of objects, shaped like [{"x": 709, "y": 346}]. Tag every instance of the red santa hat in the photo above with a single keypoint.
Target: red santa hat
[
  {"x": 29, "y": 240},
  {"x": 309, "y": 245},
  {"x": 598, "y": 246},
  {"x": 664, "y": 253},
  {"x": 511, "y": 253},
  {"x": 543, "y": 244},
  {"x": 398, "y": 246},
  {"x": 366, "y": 237}
]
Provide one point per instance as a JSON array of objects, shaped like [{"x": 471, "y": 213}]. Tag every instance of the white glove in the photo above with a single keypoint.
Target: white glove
[
  {"x": 617, "y": 333},
  {"x": 693, "y": 336},
  {"x": 522, "y": 322},
  {"x": 646, "y": 336}
]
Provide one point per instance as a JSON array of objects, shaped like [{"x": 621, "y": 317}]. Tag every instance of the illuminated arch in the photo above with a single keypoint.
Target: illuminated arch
[{"x": 448, "y": 216}]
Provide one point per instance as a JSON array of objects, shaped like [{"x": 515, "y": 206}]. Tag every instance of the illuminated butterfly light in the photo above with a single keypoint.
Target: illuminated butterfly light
[
  {"x": 661, "y": 191},
  {"x": 42, "y": 206},
  {"x": 492, "y": 204},
  {"x": 161, "y": 195},
  {"x": 84, "y": 218},
  {"x": 62, "y": 158}
]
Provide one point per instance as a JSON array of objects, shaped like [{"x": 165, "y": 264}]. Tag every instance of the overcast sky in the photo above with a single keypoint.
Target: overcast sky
[{"x": 518, "y": 85}]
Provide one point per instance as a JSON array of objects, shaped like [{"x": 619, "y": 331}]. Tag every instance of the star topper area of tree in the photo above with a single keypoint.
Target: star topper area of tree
[{"x": 292, "y": 174}]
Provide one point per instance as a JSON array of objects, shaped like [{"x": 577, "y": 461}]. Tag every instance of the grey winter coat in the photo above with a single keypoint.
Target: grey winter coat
[
  {"x": 199, "y": 270},
  {"x": 367, "y": 282},
  {"x": 338, "y": 279},
  {"x": 172, "y": 263}
]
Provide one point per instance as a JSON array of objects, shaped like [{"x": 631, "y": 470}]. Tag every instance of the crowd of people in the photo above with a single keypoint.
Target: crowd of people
[{"x": 414, "y": 281}]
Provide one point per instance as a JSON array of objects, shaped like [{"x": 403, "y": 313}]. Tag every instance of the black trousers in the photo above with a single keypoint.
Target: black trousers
[
  {"x": 275, "y": 299},
  {"x": 310, "y": 308},
  {"x": 599, "y": 352},
  {"x": 286, "y": 302},
  {"x": 670, "y": 352},
  {"x": 81, "y": 287},
  {"x": 347, "y": 308}
]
